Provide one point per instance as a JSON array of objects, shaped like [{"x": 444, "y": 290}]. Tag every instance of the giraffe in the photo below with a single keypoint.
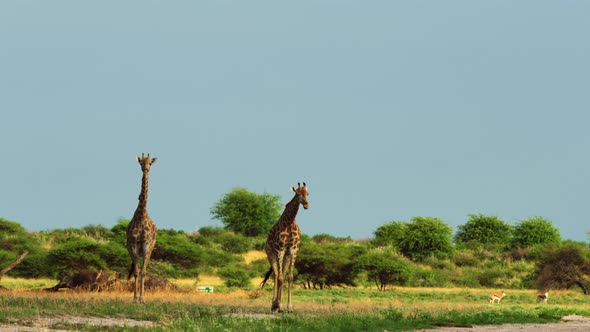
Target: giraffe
[
  {"x": 141, "y": 233},
  {"x": 282, "y": 246}
]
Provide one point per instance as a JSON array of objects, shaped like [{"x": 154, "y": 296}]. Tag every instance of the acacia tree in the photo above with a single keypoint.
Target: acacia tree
[
  {"x": 327, "y": 265},
  {"x": 564, "y": 266},
  {"x": 247, "y": 212},
  {"x": 534, "y": 231},
  {"x": 485, "y": 230}
]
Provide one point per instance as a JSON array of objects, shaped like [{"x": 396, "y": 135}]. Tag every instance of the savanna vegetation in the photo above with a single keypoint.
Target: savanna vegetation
[{"x": 422, "y": 253}]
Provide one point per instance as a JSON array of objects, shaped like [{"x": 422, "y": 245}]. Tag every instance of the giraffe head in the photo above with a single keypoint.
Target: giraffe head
[
  {"x": 145, "y": 162},
  {"x": 301, "y": 193}
]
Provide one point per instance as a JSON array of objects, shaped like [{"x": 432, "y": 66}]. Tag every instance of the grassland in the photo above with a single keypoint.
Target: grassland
[{"x": 239, "y": 310}]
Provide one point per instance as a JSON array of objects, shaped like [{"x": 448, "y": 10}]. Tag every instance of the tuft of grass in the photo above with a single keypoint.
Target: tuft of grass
[{"x": 22, "y": 283}]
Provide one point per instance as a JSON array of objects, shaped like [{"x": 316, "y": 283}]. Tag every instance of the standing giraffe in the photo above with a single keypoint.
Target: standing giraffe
[
  {"x": 282, "y": 246},
  {"x": 141, "y": 233}
]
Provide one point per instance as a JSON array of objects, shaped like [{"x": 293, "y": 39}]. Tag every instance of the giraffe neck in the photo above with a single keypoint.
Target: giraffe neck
[
  {"x": 143, "y": 195},
  {"x": 291, "y": 209}
]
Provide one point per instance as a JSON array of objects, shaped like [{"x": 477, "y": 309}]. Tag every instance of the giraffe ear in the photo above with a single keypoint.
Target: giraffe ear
[
  {"x": 293, "y": 189},
  {"x": 153, "y": 160},
  {"x": 138, "y": 160}
]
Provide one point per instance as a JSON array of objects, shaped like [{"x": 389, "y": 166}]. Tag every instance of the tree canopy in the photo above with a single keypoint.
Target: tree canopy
[
  {"x": 246, "y": 212},
  {"x": 534, "y": 231},
  {"x": 484, "y": 230},
  {"x": 427, "y": 236},
  {"x": 390, "y": 234},
  {"x": 563, "y": 267}
]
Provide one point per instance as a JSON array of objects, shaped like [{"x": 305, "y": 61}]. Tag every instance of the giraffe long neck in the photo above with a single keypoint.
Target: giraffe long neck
[
  {"x": 290, "y": 211},
  {"x": 143, "y": 195}
]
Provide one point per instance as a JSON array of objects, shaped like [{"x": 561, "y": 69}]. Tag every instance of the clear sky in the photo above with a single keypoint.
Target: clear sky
[{"x": 387, "y": 109}]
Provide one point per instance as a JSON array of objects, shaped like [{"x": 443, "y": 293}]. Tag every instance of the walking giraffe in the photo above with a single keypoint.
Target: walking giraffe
[
  {"x": 141, "y": 233},
  {"x": 282, "y": 246}
]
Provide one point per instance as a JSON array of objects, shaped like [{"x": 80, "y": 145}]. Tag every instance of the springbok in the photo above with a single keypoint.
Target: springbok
[
  {"x": 543, "y": 297},
  {"x": 494, "y": 297}
]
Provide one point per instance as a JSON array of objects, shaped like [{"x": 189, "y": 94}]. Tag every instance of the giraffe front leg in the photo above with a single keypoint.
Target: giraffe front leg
[
  {"x": 143, "y": 273},
  {"x": 291, "y": 264},
  {"x": 135, "y": 271}
]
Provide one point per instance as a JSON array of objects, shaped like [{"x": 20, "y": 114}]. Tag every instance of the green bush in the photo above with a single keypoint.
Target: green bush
[
  {"x": 235, "y": 277},
  {"x": 85, "y": 253},
  {"x": 235, "y": 243},
  {"x": 320, "y": 266},
  {"x": 211, "y": 231},
  {"x": 429, "y": 278},
  {"x": 385, "y": 267},
  {"x": 466, "y": 258}
]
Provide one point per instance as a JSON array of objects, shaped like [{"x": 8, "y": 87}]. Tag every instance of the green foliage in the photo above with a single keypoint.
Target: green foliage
[
  {"x": 324, "y": 261},
  {"x": 235, "y": 277},
  {"x": 235, "y": 243},
  {"x": 427, "y": 236},
  {"x": 385, "y": 267},
  {"x": 175, "y": 248},
  {"x": 211, "y": 231},
  {"x": 484, "y": 230},
  {"x": 84, "y": 253},
  {"x": 535, "y": 231},
  {"x": 14, "y": 238},
  {"x": 10, "y": 227},
  {"x": 424, "y": 277},
  {"x": 246, "y": 212},
  {"x": 320, "y": 266},
  {"x": 13, "y": 241},
  {"x": 187, "y": 256},
  {"x": 119, "y": 232},
  {"x": 327, "y": 239},
  {"x": 391, "y": 234}
]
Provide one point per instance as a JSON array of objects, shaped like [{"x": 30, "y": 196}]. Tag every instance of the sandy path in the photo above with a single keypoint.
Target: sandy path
[{"x": 570, "y": 323}]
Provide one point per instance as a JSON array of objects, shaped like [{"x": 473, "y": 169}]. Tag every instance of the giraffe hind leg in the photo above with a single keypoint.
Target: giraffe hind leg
[{"x": 135, "y": 272}]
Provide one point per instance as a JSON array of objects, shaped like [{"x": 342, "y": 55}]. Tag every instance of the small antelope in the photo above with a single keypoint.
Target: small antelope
[
  {"x": 543, "y": 297},
  {"x": 495, "y": 297}
]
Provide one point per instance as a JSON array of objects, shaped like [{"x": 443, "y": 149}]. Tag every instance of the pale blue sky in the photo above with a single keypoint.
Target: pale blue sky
[{"x": 387, "y": 109}]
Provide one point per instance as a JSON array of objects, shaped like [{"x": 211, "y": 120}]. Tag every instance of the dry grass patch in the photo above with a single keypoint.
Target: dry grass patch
[{"x": 253, "y": 255}]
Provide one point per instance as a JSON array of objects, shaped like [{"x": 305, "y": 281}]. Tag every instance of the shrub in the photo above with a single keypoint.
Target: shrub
[
  {"x": 235, "y": 277},
  {"x": 85, "y": 253},
  {"x": 235, "y": 243},
  {"x": 385, "y": 267},
  {"x": 429, "y": 278}
]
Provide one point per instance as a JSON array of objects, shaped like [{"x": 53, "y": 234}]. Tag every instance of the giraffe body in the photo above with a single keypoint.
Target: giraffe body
[
  {"x": 141, "y": 233},
  {"x": 282, "y": 246}
]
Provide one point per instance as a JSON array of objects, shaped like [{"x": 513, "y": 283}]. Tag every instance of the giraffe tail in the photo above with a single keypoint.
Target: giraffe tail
[{"x": 266, "y": 277}]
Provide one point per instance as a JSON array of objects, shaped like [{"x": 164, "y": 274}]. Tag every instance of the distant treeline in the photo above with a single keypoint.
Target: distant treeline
[{"x": 485, "y": 252}]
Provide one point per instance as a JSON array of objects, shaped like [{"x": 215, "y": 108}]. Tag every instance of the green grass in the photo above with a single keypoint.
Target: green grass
[{"x": 327, "y": 310}]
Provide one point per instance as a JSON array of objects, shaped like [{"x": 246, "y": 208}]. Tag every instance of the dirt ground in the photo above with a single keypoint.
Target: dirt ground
[
  {"x": 42, "y": 324},
  {"x": 570, "y": 323}
]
